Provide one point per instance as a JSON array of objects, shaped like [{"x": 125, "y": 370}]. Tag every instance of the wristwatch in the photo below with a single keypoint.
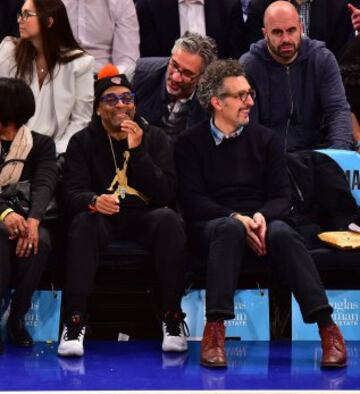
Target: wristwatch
[{"x": 92, "y": 203}]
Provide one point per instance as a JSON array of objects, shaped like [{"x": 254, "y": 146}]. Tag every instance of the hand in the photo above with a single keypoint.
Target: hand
[
  {"x": 261, "y": 230},
  {"x": 33, "y": 235},
  {"x": 108, "y": 204},
  {"x": 355, "y": 16},
  {"x": 252, "y": 236},
  {"x": 134, "y": 133},
  {"x": 16, "y": 225}
]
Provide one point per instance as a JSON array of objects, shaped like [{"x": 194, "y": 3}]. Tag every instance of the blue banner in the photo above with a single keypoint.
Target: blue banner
[
  {"x": 251, "y": 321},
  {"x": 43, "y": 318},
  {"x": 346, "y": 316}
]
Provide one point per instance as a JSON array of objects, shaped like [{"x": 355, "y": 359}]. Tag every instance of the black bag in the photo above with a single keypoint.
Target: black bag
[{"x": 18, "y": 197}]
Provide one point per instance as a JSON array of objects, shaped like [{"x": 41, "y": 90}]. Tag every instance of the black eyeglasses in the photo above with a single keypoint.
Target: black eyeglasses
[
  {"x": 112, "y": 99},
  {"x": 185, "y": 74},
  {"x": 240, "y": 95},
  {"x": 25, "y": 15}
]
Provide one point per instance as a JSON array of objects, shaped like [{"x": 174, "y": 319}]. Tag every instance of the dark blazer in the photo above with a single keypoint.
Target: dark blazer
[
  {"x": 41, "y": 170},
  {"x": 160, "y": 26},
  {"x": 329, "y": 21},
  {"x": 151, "y": 96},
  {"x": 8, "y": 21}
]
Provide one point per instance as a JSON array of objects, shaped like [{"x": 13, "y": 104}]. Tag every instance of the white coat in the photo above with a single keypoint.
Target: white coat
[{"x": 63, "y": 105}]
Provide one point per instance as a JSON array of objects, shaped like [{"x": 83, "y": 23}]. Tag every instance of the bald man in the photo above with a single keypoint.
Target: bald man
[
  {"x": 300, "y": 94},
  {"x": 324, "y": 20}
]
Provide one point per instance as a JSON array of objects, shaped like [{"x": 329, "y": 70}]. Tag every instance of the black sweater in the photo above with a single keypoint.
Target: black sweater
[
  {"x": 246, "y": 174},
  {"x": 89, "y": 167},
  {"x": 41, "y": 170}
]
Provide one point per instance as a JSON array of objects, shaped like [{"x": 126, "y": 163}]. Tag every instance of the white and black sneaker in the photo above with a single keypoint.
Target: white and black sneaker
[
  {"x": 72, "y": 337},
  {"x": 175, "y": 332}
]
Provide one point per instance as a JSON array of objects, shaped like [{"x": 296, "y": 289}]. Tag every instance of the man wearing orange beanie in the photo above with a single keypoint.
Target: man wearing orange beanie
[{"x": 119, "y": 183}]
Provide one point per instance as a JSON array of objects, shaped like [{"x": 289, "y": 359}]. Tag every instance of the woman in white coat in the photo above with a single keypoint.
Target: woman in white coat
[{"x": 58, "y": 71}]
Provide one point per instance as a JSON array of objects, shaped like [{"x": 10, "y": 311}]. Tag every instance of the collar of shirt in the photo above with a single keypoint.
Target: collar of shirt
[
  {"x": 174, "y": 106},
  {"x": 192, "y": 2},
  {"x": 218, "y": 135}
]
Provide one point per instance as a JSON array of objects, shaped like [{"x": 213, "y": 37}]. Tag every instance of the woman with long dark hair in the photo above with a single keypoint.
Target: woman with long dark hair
[
  {"x": 58, "y": 71},
  {"x": 25, "y": 157}
]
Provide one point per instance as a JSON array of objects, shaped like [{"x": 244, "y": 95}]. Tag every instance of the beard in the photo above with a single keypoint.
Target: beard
[{"x": 286, "y": 51}]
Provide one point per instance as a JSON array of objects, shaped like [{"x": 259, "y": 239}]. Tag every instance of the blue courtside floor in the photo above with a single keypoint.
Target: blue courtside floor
[{"x": 140, "y": 365}]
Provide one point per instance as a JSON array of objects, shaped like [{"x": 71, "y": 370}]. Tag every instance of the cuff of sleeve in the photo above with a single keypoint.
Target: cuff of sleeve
[
  {"x": 357, "y": 144},
  {"x": 91, "y": 205},
  {"x": 5, "y": 213},
  {"x": 136, "y": 151}
]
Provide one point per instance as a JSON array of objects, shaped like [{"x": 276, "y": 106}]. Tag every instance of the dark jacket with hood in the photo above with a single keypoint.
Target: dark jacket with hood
[
  {"x": 302, "y": 100},
  {"x": 329, "y": 22},
  {"x": 90, "y": 169}
]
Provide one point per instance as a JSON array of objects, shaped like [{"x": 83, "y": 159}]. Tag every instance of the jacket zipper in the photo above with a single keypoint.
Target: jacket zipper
[
  {"x": 291, "y": 106},
  {"x": 292, "y": 178}
]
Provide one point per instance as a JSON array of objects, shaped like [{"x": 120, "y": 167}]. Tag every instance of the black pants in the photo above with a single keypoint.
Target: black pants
[
  {"x": 223, "y": 243},
  {"x": 22, "y": 273},
  {"x": 160, "y": 230}
]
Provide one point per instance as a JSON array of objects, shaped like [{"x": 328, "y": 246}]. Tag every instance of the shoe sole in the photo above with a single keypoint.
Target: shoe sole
[
  {"x": 329, "y": 366},
  {"x": 212, "y": 365},
  {"x": 70, "y": 354},
  {"x": 172, "y": 350}
]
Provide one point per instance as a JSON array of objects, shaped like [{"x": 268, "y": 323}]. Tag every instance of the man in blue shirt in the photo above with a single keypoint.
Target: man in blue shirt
[{"x": 235, "y": 197}]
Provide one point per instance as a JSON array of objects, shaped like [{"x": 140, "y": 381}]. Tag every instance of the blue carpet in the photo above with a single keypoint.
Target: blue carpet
[{"x": 140, "y": 365}]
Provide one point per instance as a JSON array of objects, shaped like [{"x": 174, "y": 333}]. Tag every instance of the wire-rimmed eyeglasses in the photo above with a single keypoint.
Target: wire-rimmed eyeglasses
[{"x": 25, "y": 15}]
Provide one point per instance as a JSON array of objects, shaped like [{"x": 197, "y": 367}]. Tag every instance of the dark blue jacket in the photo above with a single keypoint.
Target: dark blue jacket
[
  {"x": 329, "y": 22},
  {"x": 304, "y": 101},
  {"x": 151, "y": 96}
]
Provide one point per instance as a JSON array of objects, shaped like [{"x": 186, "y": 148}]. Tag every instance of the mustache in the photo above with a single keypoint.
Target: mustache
[{"x": 287, "y": 44}]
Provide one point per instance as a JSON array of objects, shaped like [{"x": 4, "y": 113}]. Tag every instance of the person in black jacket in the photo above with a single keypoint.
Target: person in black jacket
[
  {"x": 235, "y": 195},
  {"x": 8, "y": 17},
  {"x": 323, "y": 20},
  {"x": 119, "y": 182},
  {"x": 165, "y": 87},
  {"x": 24, "y": 241},
  {"x": 350, "y": 72},
  {"x": 164, "y": 21}
]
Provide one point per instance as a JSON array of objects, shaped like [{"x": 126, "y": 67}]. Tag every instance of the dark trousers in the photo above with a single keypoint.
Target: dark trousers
[
  {"x": 160, "y": 230},
  {"x": 222, "y": 242},
  {"x": 22, "y": 273}
]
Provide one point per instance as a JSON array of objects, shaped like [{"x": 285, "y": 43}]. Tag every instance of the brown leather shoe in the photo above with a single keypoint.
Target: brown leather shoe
[
  {"x": 213, "y": 345},
  {"x": 333, "y": 346}
]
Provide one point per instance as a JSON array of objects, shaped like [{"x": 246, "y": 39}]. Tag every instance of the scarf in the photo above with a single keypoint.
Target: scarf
[{"x": 19, "y": 149}]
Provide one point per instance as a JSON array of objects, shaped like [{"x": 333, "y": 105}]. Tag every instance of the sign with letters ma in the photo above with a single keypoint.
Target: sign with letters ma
[
  {"x": 346, "y": 305},
  {"x": 251, "y": 322}
]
